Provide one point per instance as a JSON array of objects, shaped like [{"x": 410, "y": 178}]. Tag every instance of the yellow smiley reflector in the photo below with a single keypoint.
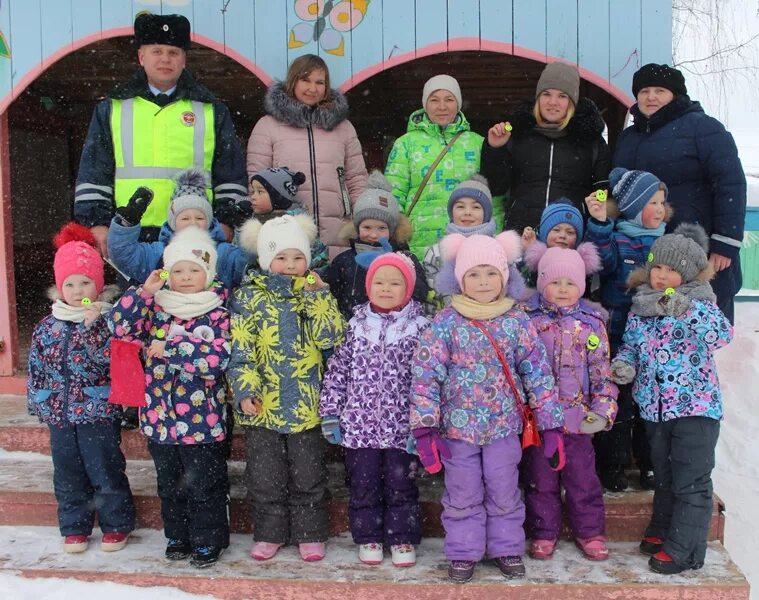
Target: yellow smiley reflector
[
  {"x": 164, "y": 274},
  {"x": 86, "y": 301},
  {"x": 311, "y": 279},
  {"x": 593, "y": 341},
  {"x": 650, "y": 257},
  {"x": 508, "y": 127},
  {"x": 160, "y": 334},
  {"x": 601, "y": 195},
  {"x": 669, "y": 292}
]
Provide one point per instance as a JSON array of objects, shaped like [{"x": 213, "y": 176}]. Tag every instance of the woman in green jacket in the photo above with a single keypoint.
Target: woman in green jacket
[{"x": 430, "y": 130}]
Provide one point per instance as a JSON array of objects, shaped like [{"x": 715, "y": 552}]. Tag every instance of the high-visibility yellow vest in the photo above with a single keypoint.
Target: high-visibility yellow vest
[{"x": 152, "y": 145}]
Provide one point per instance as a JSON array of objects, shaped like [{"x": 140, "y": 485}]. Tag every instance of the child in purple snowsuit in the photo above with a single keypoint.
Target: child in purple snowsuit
[
  {"x": 365, "y": 407},
  {"x": 577, "y": 346},
  {"x": 460, "y": 394}
]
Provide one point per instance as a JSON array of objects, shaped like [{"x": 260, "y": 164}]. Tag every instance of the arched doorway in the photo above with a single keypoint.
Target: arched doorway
[{"x": 48, "y": 122}]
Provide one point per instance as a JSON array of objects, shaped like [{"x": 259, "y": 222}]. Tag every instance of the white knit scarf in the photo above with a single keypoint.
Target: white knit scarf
[
  {"x": 187, "y": 306},
  {"x": 75, "y": 314}
]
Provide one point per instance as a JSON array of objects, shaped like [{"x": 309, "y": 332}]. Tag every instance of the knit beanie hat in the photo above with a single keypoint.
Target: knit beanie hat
[
  {"x": 281, "y": 183},
  {"x": 684, "y": 250},
  {"x": 561, "y": 211},
  {"x": 194, "y": 245},
  {"x": 377, "y": 202},
  {"x": 277, "y": 235},
  {"x": 441, "y": 82},
  {"x": 560, "y": 76},
  {"x": 190, "y": 192},
  {"x": 575, "y": 265},
  {"x": 632, "y": 190},
  {"x": 476, "y": 187},
  {"x": 401, "y": 262},
  {"x": 76, "y": 255},
  {"x": 475, "y": 250},
  {"x": 653, "y": 75}
]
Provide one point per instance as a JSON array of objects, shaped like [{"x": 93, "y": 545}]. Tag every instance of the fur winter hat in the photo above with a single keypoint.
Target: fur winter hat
[
  {"x": 556, "y": 213},
  {"x": 560, "y": 76},
  {"x": 377, "y": 202},
  {"x": 277, "y": 235},
  {"x": 553, "y": 263},
  {"x": 281, "y": 183},
  {"x": 685, "y": 250},
  {"x": 441, "y": 82},
  {"x": 476, "y": 187},
  {"x": 194, "y": 245},
  {"x": 468, "y": 252},
  {"x": 76, "y": 255},
  {"x": 171, "y": 30},
  {"x": 401, "y": 262},
  {"x": 653, "y": 75},
  {"x": 190, "y": 192},
  {"x": 632, "y": 190}
]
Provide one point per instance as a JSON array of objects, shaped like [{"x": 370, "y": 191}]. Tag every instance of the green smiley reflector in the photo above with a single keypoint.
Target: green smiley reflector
[{"x": 593, "y": 341}]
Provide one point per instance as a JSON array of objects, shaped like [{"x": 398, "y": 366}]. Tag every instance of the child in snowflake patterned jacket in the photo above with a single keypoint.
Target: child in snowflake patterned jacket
[
  {"x": 283, "y": 319},
  {"x": 365, "y": 408},
  {"x": 667, "y": 352},
  {"x": 184, "y": 331},
  {"x": 574, "y": 333},
  {"x": 68, "y": 387},
  {"x": 460, "y": 394}
]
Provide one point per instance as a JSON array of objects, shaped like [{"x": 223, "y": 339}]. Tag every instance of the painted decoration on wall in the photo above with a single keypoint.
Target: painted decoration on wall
[
  {"x": 5, "y": 49},
  {"x": 325, "y": 21}
]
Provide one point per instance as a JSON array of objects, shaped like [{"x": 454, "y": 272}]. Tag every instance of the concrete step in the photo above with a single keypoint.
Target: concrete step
[
  {"x": 26, "y": 498},
  {"x": 36, "y": 552}
]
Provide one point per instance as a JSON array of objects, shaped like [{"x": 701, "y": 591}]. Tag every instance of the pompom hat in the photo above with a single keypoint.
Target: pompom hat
[
  {"x": 377, "y": 202},
  {"x": 684, "y": 250},
  {"x": 575, "y": 265},
  {"x": 76, "y": 255},
  {"x": 556, "y": 213},
  {"x": 401, "y": 262},
  {"x": 282, "y": 185},
  {"x": 469, "y": 252},
  {"x": 267, "y": 240},
  {"x": 190, "y": 192},
  {"x": 194, "y": 245},
  {"x": 476, "y": 187},
  {"x": 632, "y": 190}
]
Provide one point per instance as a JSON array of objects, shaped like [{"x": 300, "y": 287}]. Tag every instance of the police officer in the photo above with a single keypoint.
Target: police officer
[{"x": 151, "y": 128}]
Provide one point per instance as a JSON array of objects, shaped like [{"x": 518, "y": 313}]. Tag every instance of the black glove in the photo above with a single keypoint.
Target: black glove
[
  {"x": 234, "y": 215},
  {"x": 136, "y": 207}
]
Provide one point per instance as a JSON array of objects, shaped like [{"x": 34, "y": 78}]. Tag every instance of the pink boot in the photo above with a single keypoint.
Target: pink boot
[
  {"x": 264, "y": 550},
  {"x": 312, "y": 551},
  {"x": 593, "y": 548}
]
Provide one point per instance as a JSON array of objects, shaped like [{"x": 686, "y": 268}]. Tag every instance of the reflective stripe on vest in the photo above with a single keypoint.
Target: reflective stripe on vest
[{"x": 152, "y": 145}]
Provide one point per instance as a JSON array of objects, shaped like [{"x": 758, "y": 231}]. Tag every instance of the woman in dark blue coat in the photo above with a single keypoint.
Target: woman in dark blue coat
[{"x": 673, "y": 138}]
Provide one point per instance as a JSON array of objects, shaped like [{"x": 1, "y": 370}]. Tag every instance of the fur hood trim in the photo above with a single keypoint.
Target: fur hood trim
[
  {"x": 401, "y": 236},
  {"x": 291, "y": 112},
  {"x": 109, "y": 294},
  {"x": 640, "y": 276}
]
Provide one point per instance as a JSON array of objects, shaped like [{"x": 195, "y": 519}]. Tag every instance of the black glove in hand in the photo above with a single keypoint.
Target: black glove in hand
[
  {"x": 234, "y": 215},
  {"x": 137, "y": 205}
]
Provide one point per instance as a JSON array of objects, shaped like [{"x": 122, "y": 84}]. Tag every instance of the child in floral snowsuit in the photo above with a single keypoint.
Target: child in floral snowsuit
[
  {"x": 460, "y": 394},
  {"x": 365, "y": 408},
  {"x": 667, "y": 352},
  {"x": 184, "y": 331},
  {"x": 68, "y": 387},
  {"x": 574, "y": 333},
  {"x": 282, "y": 321}
]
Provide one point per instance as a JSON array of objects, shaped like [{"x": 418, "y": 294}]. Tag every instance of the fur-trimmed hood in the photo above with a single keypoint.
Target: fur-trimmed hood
[
  {"x": 586, "y": 124},
  {"x": 400, "y": 237},
  {"x": 286, "y": 109},
  {"x": 109, "y": 294}
]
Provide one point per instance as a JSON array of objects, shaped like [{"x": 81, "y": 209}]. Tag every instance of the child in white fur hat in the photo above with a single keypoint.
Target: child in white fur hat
[
  {"x": 183, "y": 328},
  {"x": 283, "y": 318}
]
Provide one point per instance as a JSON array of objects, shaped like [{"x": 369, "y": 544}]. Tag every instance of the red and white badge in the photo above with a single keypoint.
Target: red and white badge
[{"x": 188, "y": 118}]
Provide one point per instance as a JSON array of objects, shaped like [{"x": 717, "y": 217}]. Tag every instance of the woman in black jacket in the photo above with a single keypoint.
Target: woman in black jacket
[{"x": 550, "y": 147}]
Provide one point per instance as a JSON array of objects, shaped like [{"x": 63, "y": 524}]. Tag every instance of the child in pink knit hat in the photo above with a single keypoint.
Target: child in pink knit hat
[
  {"x": 364, "y": 407},
  {"x": 68, "y": 387},
  {"x": 465, "y": 408},
  {"x": 574, "y": 334}
]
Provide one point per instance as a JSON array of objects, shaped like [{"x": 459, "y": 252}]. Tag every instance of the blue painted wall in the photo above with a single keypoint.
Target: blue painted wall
[{"x": 357, "y": 38}]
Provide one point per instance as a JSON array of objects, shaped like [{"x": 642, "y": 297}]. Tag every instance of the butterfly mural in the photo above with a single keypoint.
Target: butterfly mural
[{"x": 325, "y": 21}]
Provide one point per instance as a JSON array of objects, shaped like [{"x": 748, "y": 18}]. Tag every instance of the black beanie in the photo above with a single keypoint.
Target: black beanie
[{"x": 664, "y": 76}]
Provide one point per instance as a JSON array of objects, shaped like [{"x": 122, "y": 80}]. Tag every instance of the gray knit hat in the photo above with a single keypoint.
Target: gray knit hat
[
  {"x": 684, "y": 250},
  {"x": 633, "y": 189},
  {"x": 190, "y": 192},
  {"x": 377, "y": 202},
  {"x": 476, "y": 187},
  {"x": 560, "y": 76},
  {"x": 441, "y": 82},
  {"x": 281, "y": 183}
]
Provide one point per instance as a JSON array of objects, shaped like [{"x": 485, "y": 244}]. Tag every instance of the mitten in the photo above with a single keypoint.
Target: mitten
[
  {"x": 331, "y": 430},
  {"x": 430, "y": 447},
  {"x": 364, "y": 259},
  {"x": 672, "y": 304},
  {"x": 127, "y": 374},
  {"x": 234, "y": 214},
  {"x": 176, "y": 330},
  {"x": 137, "y": 205},
  {"x": 622, "y": 372},
  {"x": 592, "y": 423},
  {"x": 553, "y": 448}
]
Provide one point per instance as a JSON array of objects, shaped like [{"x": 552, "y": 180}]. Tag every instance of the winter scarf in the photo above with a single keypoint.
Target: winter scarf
[
  {"x": 471, "y": 309},
  {"x": 633, "y": 230},
  {"x": 487, "y": 228},
  {"x": 551, "y": 131},
  {"x": 649, "y": 302},
  {"x": 187, "y": 306},
  {"x": 75, "y": 314}
]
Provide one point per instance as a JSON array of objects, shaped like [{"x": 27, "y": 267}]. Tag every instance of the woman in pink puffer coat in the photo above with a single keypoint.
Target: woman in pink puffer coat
[{"x": 306, "y": 129}]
